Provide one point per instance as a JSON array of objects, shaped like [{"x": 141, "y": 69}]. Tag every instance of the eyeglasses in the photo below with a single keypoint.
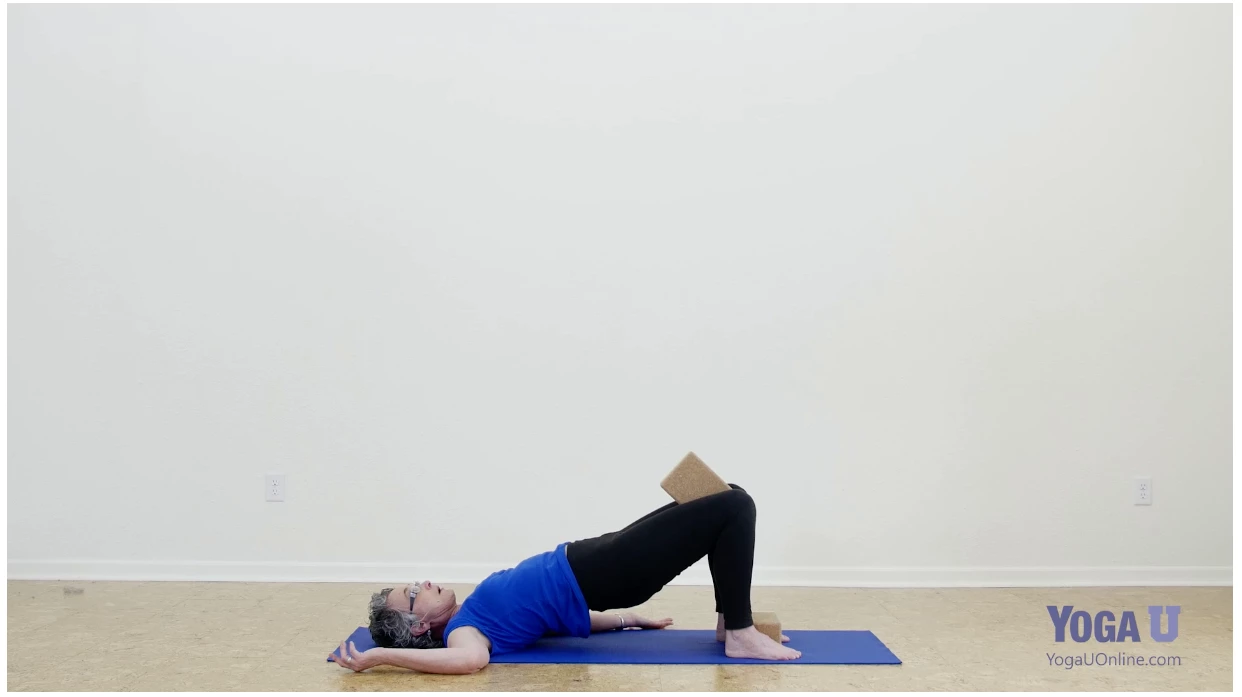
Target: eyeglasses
[{"x": 414, "y": 589}]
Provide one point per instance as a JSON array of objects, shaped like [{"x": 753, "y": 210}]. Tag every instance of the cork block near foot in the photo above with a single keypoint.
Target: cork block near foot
[
  {"x": 692, "y": 479},
  {"x": 767, "y": 623}
]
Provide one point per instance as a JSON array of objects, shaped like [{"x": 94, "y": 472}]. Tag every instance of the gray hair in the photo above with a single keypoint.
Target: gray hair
[{"x": 392, "y": 628}]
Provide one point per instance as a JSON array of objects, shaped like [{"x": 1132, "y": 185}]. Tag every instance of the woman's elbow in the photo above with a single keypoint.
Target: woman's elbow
[
  {"x": 475, "y": 666},
  {"x": 476, "y": 662}
]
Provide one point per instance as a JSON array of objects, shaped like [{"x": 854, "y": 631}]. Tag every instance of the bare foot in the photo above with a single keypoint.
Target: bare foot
[
  {"x": 751, "y": 643},
  {"x": 720, "y": 630}
]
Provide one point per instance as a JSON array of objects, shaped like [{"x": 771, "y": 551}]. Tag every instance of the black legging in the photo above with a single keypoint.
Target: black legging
[{"x": 625, "y": 568}]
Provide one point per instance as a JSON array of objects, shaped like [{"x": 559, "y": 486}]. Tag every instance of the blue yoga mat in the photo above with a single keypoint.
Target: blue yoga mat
[{"x": 635, "y": 646}]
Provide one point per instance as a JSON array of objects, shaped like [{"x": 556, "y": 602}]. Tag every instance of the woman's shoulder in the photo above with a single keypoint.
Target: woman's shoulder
[{"x": 467, "y": 636}]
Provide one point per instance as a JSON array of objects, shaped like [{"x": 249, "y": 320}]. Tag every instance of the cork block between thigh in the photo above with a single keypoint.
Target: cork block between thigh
[
  {"x": 767, "y": 623},
  {"x": 692, "y": 479}
]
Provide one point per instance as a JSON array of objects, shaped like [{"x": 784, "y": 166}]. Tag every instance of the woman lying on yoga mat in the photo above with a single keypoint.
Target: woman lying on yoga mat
[{"x": 565, "y": 591}]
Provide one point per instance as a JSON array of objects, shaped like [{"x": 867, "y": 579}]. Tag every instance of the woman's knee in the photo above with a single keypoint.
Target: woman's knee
[{"x": 739, "y": 499}]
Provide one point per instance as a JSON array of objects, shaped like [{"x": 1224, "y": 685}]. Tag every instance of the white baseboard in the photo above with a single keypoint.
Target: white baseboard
[{"x": 828, "y": 577}]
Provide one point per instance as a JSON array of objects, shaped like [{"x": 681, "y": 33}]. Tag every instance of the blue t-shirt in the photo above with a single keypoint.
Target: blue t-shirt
[{"x": 515, "y": 607}]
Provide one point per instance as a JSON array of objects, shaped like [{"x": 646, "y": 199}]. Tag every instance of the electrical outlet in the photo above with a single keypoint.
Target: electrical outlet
[
  {"x": 274, "y": 487},
  {"x": 1142, "y": 491}
]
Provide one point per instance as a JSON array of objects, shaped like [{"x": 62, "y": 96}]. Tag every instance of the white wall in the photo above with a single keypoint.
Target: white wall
[{"x": 933, "y": 283}]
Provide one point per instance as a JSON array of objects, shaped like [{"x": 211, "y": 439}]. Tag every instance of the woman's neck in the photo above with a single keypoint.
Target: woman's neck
[{"x": 439, "y": 629}]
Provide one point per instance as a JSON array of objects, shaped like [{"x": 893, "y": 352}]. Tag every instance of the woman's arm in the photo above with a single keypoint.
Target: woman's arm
[
  {"x": 457, "y": 661},
  {"x": 470, "y": 657},
  {"x": 608, "y": 621}
]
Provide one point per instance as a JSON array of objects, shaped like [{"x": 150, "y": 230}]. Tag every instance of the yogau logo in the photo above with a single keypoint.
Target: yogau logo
[{"x": 1082, "y": 627}]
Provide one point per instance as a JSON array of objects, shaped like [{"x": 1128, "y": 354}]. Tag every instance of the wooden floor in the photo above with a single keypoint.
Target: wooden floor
[{"x": 235, "y": 636}]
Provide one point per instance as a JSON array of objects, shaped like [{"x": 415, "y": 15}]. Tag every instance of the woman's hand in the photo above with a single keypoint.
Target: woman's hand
[
  {"x": 636, "y": 620},
  {"x": 356, "y": 660}
]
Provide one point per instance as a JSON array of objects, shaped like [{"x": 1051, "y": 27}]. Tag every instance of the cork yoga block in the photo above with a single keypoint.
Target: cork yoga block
[
  {"x": 692, "y": 479},
  {"x": 767, "y": 623}
]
